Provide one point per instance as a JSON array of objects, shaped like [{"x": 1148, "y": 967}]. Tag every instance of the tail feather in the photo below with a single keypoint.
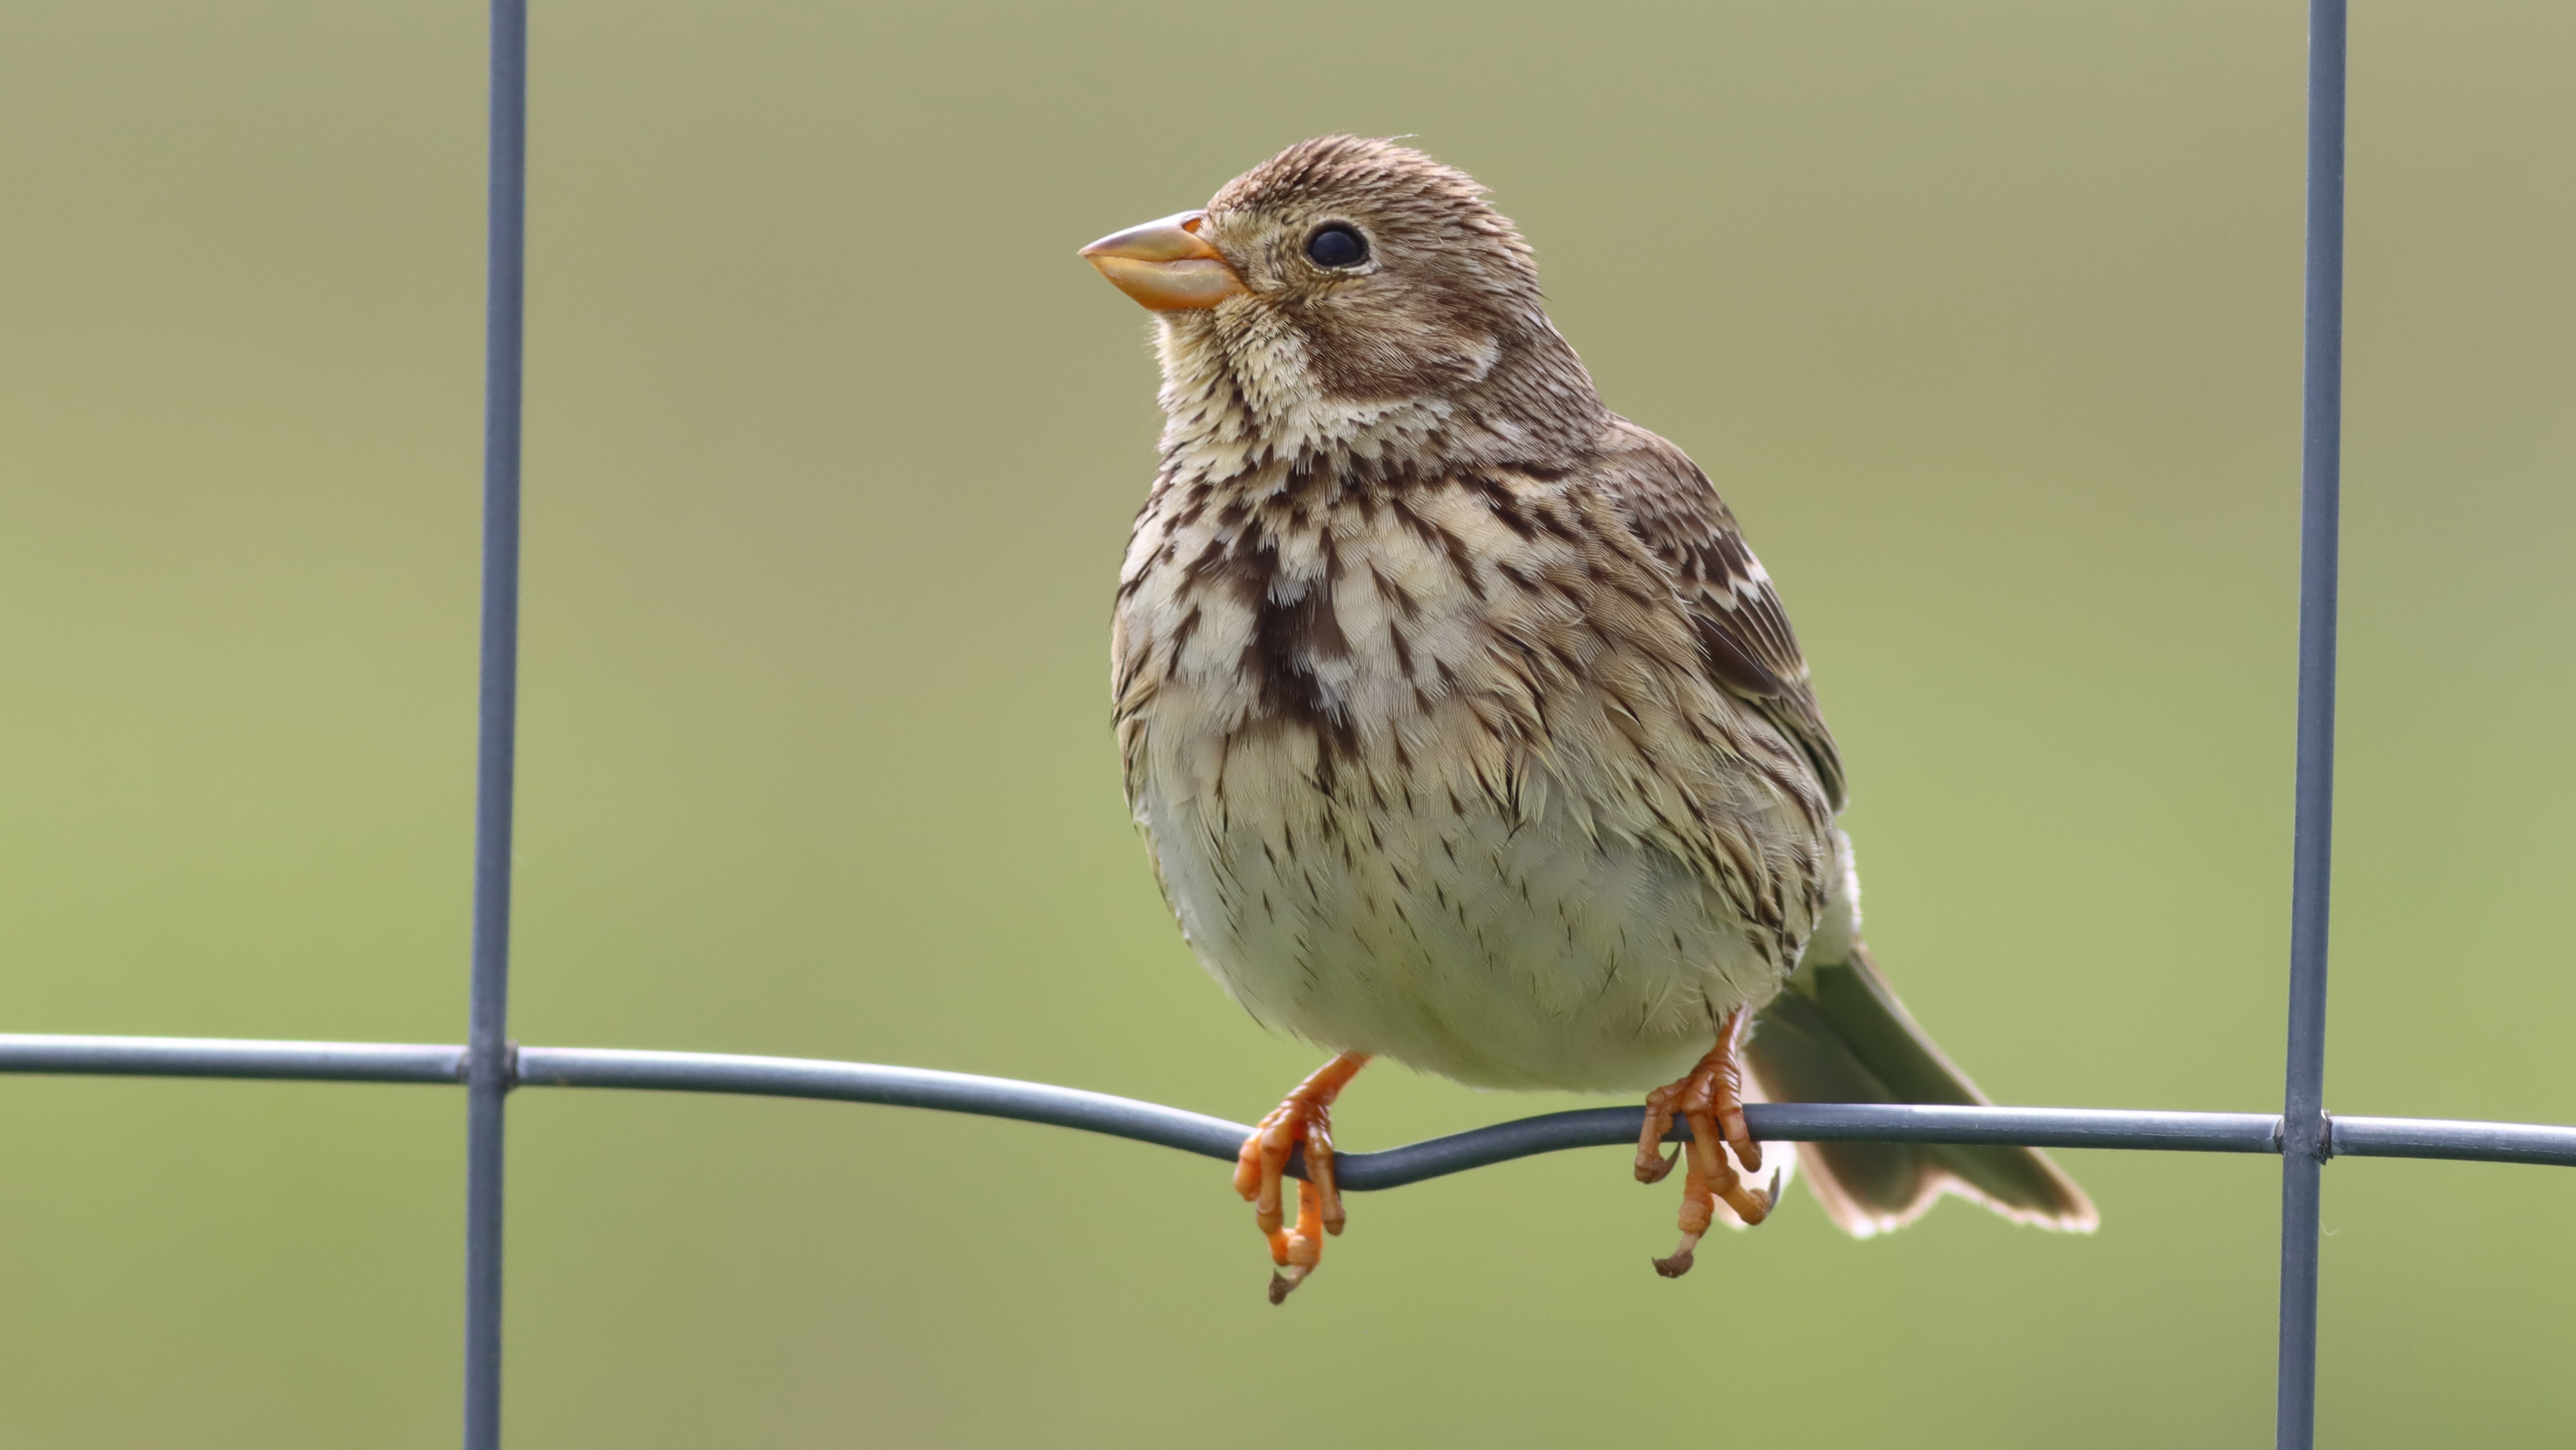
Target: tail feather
[{"x": 1837, "y": 1034}]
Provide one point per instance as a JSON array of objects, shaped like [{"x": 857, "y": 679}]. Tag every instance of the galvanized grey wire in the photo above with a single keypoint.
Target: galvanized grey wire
[
  {"x": 487, "y": 1067},
  {"x": 2303, "y": 1110},
  {"x": 1032, "y": 1102}
]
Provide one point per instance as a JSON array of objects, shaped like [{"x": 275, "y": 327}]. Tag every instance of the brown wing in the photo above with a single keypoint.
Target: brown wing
[{"x": 1744, "y": 634}]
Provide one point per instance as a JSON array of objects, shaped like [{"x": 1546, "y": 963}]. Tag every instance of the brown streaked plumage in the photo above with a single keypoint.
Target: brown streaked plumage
[{"x": 1463, "y": 726}]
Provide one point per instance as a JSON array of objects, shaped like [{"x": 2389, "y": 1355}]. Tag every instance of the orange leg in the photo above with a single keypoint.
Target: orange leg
[
  {"x": 1306, "y": 1116},
  {"x": 1711, "y": 1100}
]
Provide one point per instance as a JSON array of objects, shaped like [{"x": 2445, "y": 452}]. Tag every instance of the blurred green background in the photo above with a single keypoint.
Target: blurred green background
[{"x": 1984, "y": 316}]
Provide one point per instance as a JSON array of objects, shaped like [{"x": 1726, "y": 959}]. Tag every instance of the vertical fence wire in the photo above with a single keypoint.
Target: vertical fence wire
[
  {"x": 487, "y": 1061},
  {"x": 2305, "y": 1143}
]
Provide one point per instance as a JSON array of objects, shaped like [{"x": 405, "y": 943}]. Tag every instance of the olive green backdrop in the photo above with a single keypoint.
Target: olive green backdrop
[{"x": 1984, "y": 316}]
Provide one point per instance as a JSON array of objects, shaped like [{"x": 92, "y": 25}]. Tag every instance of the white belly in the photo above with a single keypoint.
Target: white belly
[{"x": 1441, "y": 934}]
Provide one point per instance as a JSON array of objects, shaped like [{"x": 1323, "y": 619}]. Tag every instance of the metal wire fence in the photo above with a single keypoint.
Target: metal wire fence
[{"x": 490, "y": 1066}]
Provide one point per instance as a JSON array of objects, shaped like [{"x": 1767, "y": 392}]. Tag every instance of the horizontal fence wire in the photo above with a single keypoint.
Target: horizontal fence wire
[{"x": 1117, "y": 1117}]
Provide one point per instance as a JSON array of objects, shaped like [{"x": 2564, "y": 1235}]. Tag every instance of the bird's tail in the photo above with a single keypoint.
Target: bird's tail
[{"x": 1836, "y": 1034}]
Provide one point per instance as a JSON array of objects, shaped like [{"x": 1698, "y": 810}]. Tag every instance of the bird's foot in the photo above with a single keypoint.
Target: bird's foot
[
  {"x": 1306, "y": 1116},
  {"x": 1711, "y": 1100}
]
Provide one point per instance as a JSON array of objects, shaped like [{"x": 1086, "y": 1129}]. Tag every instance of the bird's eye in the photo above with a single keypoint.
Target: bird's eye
[{"x": 1336, "y": 245}]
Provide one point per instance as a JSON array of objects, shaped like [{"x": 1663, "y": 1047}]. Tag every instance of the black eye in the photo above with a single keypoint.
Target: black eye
[{"x": 1336, "y": 245}]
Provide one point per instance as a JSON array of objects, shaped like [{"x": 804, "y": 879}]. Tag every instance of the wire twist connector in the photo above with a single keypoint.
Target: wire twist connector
[{"x": 509, "y": 1065}]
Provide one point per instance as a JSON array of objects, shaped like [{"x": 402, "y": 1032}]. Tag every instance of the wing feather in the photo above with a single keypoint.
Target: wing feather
[{"x": 1744, "y": 633}]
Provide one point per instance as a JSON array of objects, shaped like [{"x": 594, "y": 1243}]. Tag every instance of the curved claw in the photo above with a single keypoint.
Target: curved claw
[{"x": 1652, "y": 1162}]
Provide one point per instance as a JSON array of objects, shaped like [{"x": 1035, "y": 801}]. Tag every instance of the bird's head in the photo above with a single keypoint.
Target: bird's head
[{"x": 1353, "y": 296}]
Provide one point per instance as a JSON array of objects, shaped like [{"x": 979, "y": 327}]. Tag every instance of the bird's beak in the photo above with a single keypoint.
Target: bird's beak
[{"x": 1165, "y": 265}]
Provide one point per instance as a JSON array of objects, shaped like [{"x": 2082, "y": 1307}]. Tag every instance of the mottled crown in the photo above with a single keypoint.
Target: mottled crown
[{"x": 1332, "y": 166}]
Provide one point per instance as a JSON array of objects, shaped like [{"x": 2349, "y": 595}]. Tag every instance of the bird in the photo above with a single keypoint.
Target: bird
[{"x": 1463, "y": 729}]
